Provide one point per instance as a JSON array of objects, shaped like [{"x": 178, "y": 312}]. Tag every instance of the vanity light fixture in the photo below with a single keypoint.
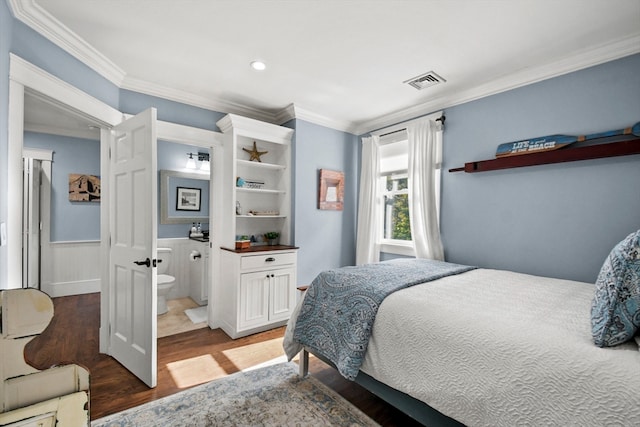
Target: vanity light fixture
[
  {"x": 201, "y": 157},
  {"x": 191, "y": 162},
  {"x": 204, "y": 158},
  {"x": 258, "y": 65}
]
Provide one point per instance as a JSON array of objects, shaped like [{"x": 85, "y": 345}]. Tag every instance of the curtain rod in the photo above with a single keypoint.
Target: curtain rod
[{"x": 439, "y": 119}]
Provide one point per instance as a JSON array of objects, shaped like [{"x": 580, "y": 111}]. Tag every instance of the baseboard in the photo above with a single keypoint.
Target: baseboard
[{"x": 63, "y": 289}]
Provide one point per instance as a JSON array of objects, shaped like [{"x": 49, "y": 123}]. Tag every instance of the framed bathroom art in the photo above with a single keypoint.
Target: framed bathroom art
[{"x": 187, "y": 199}]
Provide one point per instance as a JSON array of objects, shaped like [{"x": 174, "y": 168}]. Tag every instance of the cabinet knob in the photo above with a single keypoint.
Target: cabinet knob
[{"x": 270, "y": 259}]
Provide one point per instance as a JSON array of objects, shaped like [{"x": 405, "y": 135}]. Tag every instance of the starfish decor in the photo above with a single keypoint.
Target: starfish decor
[{"x": 254, "y": 154}]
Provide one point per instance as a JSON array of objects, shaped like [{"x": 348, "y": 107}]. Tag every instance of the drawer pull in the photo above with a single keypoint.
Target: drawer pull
[{"x": 270, "y": 259}]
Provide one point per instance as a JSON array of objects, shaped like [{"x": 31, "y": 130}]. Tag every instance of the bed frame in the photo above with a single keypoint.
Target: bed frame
[{"x": 411, "y": 406}]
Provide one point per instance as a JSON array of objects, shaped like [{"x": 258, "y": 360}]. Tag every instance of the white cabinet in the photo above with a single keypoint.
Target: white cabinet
[{"x": 258, "y": 291}]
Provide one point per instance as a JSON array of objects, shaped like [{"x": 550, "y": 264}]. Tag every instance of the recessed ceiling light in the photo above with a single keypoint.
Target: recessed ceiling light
[{"x": 258, "y": 65}]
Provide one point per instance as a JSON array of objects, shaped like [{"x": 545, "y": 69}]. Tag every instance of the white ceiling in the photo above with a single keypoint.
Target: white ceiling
[{"x": 341, "y": 63}]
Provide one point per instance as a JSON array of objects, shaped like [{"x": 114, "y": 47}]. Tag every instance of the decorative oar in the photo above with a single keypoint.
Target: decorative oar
[{"x": 553, "y": 142}]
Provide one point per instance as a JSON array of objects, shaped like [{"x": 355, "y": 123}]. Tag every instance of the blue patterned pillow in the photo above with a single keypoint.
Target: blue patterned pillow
[{"x": 615, "y": 311}]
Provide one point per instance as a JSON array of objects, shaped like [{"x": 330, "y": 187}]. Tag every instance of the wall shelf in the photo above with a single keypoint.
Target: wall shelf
[{"x": 589, "y": 152}]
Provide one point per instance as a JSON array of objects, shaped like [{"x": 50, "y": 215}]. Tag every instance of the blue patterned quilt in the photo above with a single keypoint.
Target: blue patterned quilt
[{"x": 340, "y": 306}]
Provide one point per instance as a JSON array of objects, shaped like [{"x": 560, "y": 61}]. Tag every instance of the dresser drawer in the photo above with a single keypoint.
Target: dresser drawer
[{"x": 270, "y": 260}]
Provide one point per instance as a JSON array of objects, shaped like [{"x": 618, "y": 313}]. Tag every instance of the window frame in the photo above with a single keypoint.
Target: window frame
[
  {"x": 391, "y": 135},
  {"x": 393, "y": 246}
]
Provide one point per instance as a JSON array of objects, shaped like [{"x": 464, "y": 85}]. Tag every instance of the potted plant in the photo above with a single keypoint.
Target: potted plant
[{"x": 272, "y": 237}]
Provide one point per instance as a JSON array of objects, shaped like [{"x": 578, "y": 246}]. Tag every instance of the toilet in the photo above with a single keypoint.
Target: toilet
[{"x": 165, "y": 281}]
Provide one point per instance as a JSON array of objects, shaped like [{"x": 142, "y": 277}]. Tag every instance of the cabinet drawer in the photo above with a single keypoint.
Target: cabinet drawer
[{"x": 271, "y": 260}]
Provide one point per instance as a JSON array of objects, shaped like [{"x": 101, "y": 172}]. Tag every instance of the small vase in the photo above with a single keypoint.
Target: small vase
[{"x": 272, "y": 242}]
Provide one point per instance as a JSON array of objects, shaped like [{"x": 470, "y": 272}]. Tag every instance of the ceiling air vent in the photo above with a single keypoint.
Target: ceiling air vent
[{"x": 425, "y": 80}]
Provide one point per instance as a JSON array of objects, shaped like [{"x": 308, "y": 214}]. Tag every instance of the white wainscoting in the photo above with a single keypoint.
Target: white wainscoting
[
  {"x": 73, "y": 268},
  {"x": 70, "y": 268}
]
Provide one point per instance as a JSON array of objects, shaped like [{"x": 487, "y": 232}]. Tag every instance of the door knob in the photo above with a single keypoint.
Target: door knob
[{"x": 146, "y": 262}]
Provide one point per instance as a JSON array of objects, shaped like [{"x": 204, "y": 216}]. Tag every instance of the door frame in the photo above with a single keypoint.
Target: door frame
[
  {"x": 45, "y": 157},
  {"x": 24, "y": 76}
]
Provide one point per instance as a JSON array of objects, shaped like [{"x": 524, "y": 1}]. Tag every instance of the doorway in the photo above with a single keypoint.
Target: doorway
[
  {"x": 36, "y": 185},
  {"x": 25, "y": 79}
]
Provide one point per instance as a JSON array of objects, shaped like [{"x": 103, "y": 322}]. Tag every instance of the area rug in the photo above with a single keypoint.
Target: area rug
[
  {"x": 197, "y": 315},
  {"x": 271, "y": 396}
]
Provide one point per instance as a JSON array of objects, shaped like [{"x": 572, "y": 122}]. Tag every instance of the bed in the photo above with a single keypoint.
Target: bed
[{"x": 483, "y": 347}]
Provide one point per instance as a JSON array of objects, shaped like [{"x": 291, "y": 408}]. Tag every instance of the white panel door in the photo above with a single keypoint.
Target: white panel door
[
  {"x": 282, "y": 294},
  {"x": 254, "y": 299},
  {"x": 133, "y": 232}
]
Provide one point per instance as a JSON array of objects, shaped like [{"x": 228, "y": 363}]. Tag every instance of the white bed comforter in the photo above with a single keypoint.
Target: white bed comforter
[{"x": 497, "y": 348}]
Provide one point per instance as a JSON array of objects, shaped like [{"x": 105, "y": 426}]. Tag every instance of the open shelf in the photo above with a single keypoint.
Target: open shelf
[
  {"x": 260, "y": 165},
  {"x": 259, "y": 190},
  {"x": 589, "y": 152}
]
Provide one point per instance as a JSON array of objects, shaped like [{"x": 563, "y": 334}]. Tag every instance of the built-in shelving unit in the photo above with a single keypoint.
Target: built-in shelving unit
[
  {"x": 257, "y": 284},
  {"x": 264, "y": 202},
  {"x": 589, "y": 152}
]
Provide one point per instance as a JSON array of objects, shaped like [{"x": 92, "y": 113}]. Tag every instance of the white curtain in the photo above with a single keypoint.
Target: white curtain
[
  {"x": 424, "y": 163},
  {"x": 369, "y": 210}
]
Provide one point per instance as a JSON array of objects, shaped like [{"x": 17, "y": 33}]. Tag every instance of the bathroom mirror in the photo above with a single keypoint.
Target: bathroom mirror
[{"x": 170, "y": 181}]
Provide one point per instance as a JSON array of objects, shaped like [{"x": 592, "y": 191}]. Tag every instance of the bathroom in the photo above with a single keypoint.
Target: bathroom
[
  {"x": 188, "y": 256},
  {"x": 71, "y": 229}
]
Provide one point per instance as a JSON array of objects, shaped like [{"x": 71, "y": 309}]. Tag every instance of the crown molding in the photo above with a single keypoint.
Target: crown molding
[
  {"x": 580, "y": 60},
  {"x": 34, "y": 16},
  {"x": 172, "y": 94},
  {"x": 30, "y": 13},
  {"x": 293, "y": 111}
]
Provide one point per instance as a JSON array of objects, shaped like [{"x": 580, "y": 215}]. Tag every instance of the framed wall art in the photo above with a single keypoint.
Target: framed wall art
[
  {"x": 187, "y": 199},
  {"x": 331, "y": 191},
  {"x": 84, "y": 188}
]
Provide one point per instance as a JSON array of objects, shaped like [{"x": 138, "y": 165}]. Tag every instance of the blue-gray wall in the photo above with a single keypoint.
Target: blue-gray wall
[
  {"x": 555, "y": 220},
  {"x": 326, "y": 238},
  {"x": 76, "y": 221},
  {"x": 169, "y": 111},
  {"x": 70, "y": 221}
]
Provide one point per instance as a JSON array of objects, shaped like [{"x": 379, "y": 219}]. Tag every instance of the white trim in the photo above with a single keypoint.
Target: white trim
[
  {"x": 34, "y": 16},
  {"x": 14, "y": 185},
  {"x": 293, "y": 111},
  {"x": 55, "y": 90},
  {"x": 177, "y": 95},
  {"x": 41, "y": 21},
  {"x": 182, "y": 134},
  {"x": 38, "y": 154},
  {"x": 63, "y": 289},
  {"x": 397, "y": 248}
]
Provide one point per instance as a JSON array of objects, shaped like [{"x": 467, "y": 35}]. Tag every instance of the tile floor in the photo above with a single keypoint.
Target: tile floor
[{"x": 175, "y": 321}]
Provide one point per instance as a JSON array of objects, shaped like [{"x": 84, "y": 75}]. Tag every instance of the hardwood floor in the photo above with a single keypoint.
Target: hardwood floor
[{"x": 184, "y": 360}]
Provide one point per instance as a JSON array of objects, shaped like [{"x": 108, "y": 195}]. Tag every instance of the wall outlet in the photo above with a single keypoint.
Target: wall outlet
[{"x": 3, "y": 234}]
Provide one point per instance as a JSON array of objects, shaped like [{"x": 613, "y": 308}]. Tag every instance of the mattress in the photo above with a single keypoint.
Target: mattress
[{"x": 497, "y": 348}]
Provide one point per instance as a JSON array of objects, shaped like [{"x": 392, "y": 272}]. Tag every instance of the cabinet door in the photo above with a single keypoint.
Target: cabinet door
[
  {"x": 282, "y": 294},
  {"x": 254, "y": 299}
]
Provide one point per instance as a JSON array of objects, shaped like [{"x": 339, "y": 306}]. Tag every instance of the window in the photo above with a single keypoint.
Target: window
[{"x": 394, "y": 163}]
